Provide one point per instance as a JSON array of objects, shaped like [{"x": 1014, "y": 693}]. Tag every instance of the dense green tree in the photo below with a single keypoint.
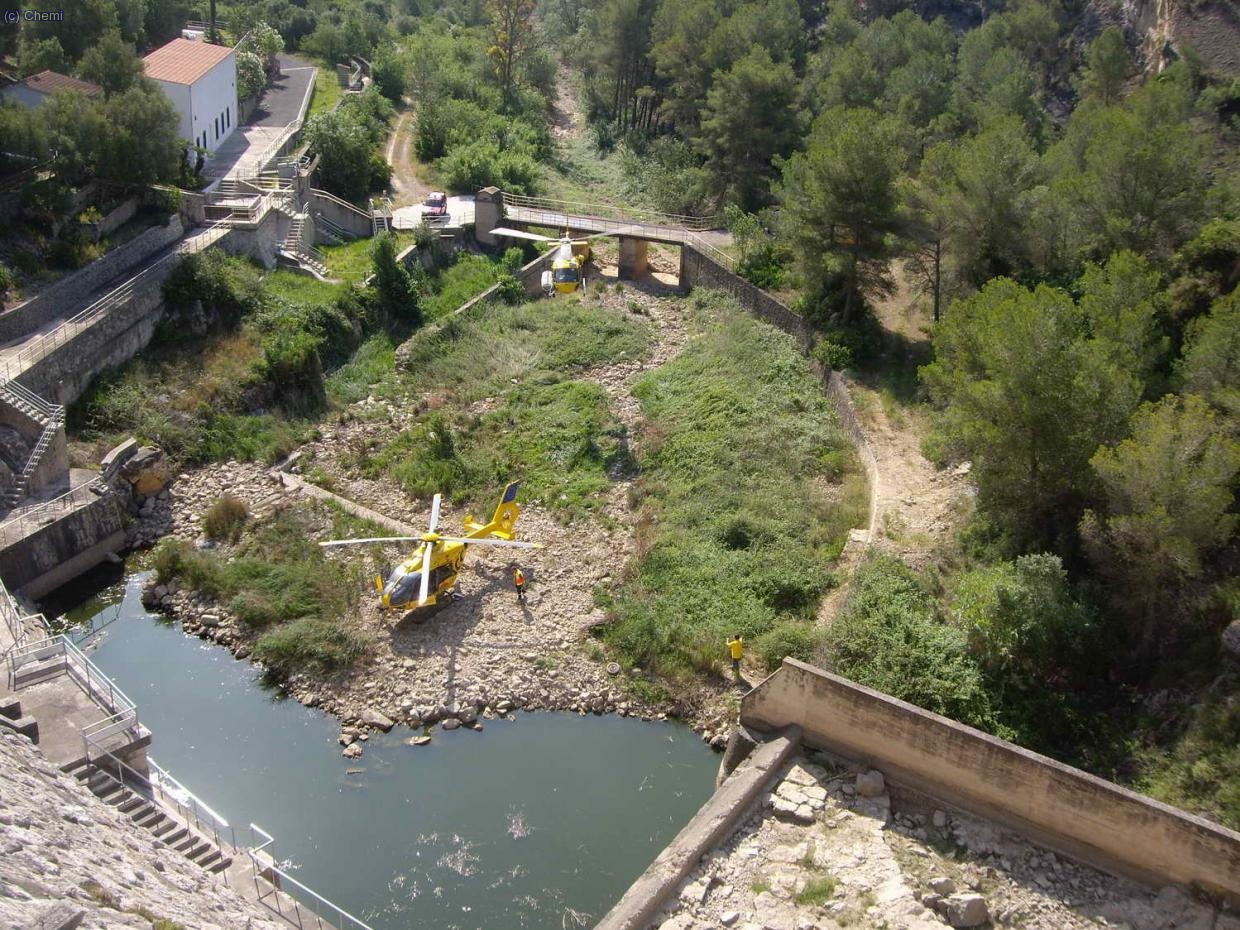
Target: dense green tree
[
  {"x": 617, "y": 65},
  {"x": 90, "y": 21},
  {"x": 512, "y": 37},
  {"x": 41, "y": 55},
  {"x": 749, "y": 121},
  {"x": 397, "y": 291},
  {"x": 1109, "y": 67},
  {"x": 1021, "y": 619},
  {"x": 141, "y": 144},
  {"x": 1028, "y": 399},
  {"x": 112, "y": 64},
  {"x": 251, "y": 76},
  {"x": 1211, "y": 360},
  {"x": 23, "y": 137},
  {"x": 840, "y": 204},
  {"x": 1168, "y": 492},
  {"x": 1125, "y": 309},
  {"x": 994, "y": 82},
  {"x": 975, "y": 193},
  {"x": 1135, "y": 173},
  {"x": 76, "y": 128}
]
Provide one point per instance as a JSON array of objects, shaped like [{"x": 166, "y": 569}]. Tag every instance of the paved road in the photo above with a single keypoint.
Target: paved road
[{"x": 281, "y": 104}]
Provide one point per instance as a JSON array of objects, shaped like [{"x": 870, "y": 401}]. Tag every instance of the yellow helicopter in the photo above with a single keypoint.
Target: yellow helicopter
[
  {"x": 430, "y": 572},
  {"x": 567, "y": 272}
]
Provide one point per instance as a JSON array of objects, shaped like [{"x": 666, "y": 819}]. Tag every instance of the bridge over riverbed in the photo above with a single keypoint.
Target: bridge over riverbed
[{"x": 634, "y": 229}]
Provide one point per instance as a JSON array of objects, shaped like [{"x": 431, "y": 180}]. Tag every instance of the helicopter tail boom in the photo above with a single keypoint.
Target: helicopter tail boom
[{"x": 504, "y": 521}]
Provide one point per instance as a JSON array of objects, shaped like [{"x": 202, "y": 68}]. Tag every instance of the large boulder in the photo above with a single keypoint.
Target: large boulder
[
  {"x": 147, "y": 471},
  {"x": 964, "y": 910}
]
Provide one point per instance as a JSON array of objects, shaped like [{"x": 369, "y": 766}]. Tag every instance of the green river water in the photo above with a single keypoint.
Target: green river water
[{"x": 541, "y": 822}]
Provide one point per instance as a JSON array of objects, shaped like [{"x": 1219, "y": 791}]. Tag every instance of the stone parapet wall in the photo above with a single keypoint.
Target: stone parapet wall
[
  {"x": 69, "y": 295},
  {"x": 1061, "y": 807},
  {"x": 39, "y": 560}
]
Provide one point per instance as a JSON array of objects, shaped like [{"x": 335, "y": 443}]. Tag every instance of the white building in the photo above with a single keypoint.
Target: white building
[{"x": 201, "y": 81}]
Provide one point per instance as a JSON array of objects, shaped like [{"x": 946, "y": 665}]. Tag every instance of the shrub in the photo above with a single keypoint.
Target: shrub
[
  {"x": 511, "y": 290},
  {"x": 225, "y": 519},
  {"x": 832, "y": 355},
  {"x": 889, "y": 637},
  {"x": 7, "y": 281},
  {"x": 308, "y": 644}
]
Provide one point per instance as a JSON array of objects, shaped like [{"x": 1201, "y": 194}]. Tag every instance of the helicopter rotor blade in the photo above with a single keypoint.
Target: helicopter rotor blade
[
  {"x": 521, "y": 234},
  {"x": 603, "y": 235},
  {"x": 478, "y": 541},
  {"x": 435, "y": 513},
  {"x": 426, "y": 574},
  {"x": 371, "y": 539}
]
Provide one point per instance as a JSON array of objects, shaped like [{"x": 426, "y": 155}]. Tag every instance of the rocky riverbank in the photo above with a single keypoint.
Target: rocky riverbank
[
  {"x": 70, "y": 860},
  {"x": 483, "y": 655}
]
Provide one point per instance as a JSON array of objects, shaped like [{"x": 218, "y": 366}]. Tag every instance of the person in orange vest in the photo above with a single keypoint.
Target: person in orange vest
[
  {"x": 737, "y": 646},
  {"x": 518, "y": 580}
]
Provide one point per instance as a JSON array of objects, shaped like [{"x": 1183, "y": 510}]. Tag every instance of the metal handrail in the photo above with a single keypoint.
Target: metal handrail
[
  {"x": 40, "y": 405},
  {"x": 89, "y": 675},
  {"x": 339, "y": 201},
  {"x": 64, "y": 503},
  {"x": 713, "y": 252},
  {"x": 164, "y": 790},
  {"x": 343, "y": 919},
  {"x": 272, "y": 150},
  {"x": 614, "y": 212},
  {"x": 40, "y": 348}
]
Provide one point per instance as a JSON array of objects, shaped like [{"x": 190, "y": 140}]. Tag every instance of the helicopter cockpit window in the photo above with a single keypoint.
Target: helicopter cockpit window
[{"x": 566, "y": 276}]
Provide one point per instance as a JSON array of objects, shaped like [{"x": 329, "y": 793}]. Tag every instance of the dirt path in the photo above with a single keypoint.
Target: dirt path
[
  {"x": 917, "y": 506},
  {"x": 407, "y": 187},
  {"x": 567, "y": 121}
]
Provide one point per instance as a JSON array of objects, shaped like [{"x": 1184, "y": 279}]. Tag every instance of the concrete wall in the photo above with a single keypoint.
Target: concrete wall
[
  {"x": 697, "y": 270},
  {"x": 63, "y": 375},
  {"x": 1055, "y": 804},
  {"x": 60, "y": 551},
  {"x": 344, "y": 215},
  {"x": 178, "y": 95},
  {"x": 261, "y": 240},
  {"x": 211, "y": 96},
  {"x": 69, "y": 295}
]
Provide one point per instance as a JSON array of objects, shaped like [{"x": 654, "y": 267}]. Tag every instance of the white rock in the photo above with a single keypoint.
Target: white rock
[{"x": 964, "y": 910}]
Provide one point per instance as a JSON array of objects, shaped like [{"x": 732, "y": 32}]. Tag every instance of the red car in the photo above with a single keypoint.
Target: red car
[{"x": 436, "y": 206}]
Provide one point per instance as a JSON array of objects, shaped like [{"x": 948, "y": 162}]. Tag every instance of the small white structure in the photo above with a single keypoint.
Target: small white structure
[{"x": 201, "y": 81}]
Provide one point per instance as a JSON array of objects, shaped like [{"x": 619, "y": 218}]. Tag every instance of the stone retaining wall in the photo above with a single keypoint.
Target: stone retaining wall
[
  {"x": 1061, "y": 807},
  {"x": 58, "y": 552},
  {"x": 62, "y": 376},
  {"x": 698, "y": 270},
  {"x": 69, "y": 295}
]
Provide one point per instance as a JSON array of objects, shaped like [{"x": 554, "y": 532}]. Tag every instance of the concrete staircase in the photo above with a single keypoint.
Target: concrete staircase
[
  {"x": 295, "y": 249},
  {"x": 151, "y": 816},
  {"x": 49, "y": 416}
]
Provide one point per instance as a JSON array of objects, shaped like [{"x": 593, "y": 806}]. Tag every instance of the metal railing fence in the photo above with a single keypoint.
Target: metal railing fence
[
  {"x": 319, "y": 907},
  {"x": 170, "y": 794},
  {"x": 613, "y": 212},
  {"x": 38, "y": 349},
  {"x": 93, "y": 681},
  {"x": 24, "y": 522}
]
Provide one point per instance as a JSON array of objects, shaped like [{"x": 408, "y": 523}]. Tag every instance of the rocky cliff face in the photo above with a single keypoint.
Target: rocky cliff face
[{"x": 65, "y": 856}]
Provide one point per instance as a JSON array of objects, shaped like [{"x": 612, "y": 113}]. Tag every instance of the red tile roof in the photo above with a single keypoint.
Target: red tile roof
[
  {"x": 183, "y": 61},
  {"x": 48, "y": 82}
]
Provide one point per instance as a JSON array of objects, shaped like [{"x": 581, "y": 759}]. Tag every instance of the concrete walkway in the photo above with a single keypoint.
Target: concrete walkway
[{"x": 256, "y": 143}]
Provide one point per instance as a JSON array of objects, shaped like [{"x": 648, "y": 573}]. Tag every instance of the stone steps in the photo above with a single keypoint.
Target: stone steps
[{"x": 149, "y": 815}]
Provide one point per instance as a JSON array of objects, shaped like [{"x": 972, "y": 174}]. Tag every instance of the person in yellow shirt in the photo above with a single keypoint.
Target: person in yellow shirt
[
  {"x": 518, "y": 581},
  {"x": 737, "y": 646}
]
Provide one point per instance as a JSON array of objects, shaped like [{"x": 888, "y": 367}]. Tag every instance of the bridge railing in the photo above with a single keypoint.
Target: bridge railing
[
  {"x": 608, "y": 211},
  {"x": 22, "y": 524}
]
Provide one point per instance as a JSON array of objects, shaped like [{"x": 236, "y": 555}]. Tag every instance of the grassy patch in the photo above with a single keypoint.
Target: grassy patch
[
  {"x": 555, "y": 433},
  {"x": 352, "y": 261},
  {"x": 817, "y": 891},
  {"x": 278, "y": 580},
  {"x": 452, "y": 286},
  {"x": 371, "y": 370},
  {"x": 327, "y": 90},
  {"x": 225, "y": 519},
  {"x": 735, "y": 533}
]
